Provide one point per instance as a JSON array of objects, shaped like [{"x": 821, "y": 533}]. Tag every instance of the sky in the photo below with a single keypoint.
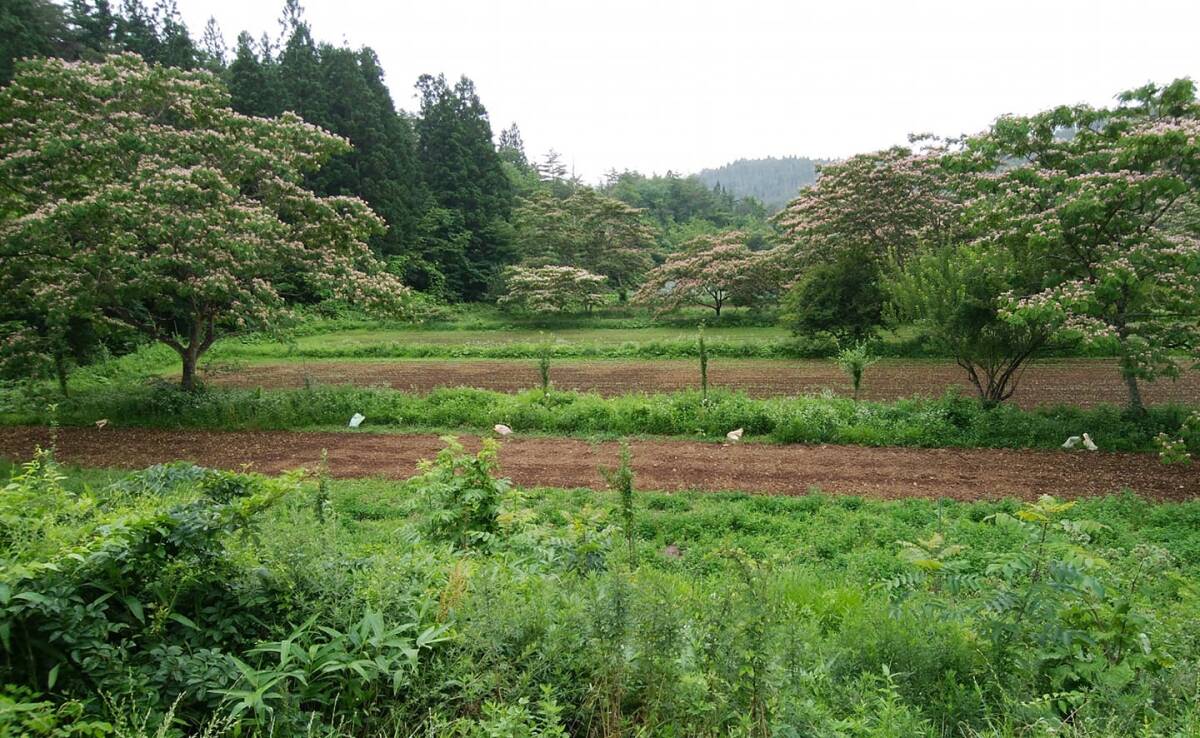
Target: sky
[{"x": 662, "y": 85}]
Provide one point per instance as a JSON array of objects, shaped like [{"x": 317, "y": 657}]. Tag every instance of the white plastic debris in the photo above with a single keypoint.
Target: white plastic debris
[
  {"x": 101, "y": 423},
  {"x": 1071, "y": 442},
  {"x": 502, "y": 430},
  {"x": 734, "y": 436},
  {"x": 1088, "y": 443},
  {"x": 357, "y": 420}
]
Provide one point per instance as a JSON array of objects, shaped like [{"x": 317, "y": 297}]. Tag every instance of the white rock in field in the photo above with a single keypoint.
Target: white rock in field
[
  {"x": 1071, "y": 442},
  {"x": 357, "y": 420},
  {"x": 502, "y": 430},
  {"x": 734, "y": 436},
  {"x": 1088, "y": 443},
  {"x": 101, "y": 423}
]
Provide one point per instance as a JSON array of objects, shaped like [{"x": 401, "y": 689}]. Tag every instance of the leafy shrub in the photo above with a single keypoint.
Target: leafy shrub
[
  {"x": 1179, "y": 448},
  {"x": 842, "y": 298},
  {"x": 144, "y": 602},
  {"x": 465, "y": 496},
  {"x": 24, "y": 713},
  {"x": 854, "y": 361},
  {"x": 323, "y": 667},
  {"x": 1063, "y": 620},
  {"x": 510, "y": 720}
]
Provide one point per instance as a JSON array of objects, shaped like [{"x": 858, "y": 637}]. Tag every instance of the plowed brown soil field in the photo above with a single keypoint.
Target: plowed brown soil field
[
  {"x": 1082, "y": 382},
  {"x": 660, "y": 465}
]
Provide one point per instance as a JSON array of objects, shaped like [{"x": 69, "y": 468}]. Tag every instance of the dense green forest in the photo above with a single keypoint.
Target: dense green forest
[{"x": 771, "y": 181}]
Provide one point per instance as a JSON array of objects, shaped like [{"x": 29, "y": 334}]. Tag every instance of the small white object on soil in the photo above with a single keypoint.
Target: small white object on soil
[
  {"x": 734, "y": 436},
  {"x": 1088, "y": 443},
  {"x": 1071, "y": 442},
  {"x": 101, "y": 423},
  {"x": 357, "y": 420},
  {"x": 502, "y": 430}
]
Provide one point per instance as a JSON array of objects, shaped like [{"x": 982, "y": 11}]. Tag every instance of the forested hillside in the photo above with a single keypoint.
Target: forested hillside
[{"x": 771, "y": 181}]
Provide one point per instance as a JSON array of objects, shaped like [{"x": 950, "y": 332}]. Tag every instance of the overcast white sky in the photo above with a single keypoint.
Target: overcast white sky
[{"x": 687, "y": 84}]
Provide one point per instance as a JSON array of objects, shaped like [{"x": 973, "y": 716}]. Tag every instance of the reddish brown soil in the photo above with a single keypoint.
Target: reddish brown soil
[
  {"x": 1082, "y": 382},
  {"x": 660, "y": 465}
]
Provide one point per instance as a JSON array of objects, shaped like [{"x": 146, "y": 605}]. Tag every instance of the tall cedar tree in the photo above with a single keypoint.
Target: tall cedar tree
[
  {"x": 464, "y": 175},
  {"x": 93, "y": 24},
  {"x": 342, "y": 91},
  {"x": 512, "y": 147},
  {"x": 252, "y": 82},
  {"x": 300, "y": 69},
  {"x": 382, "y": 168},
  {"x": 30, "y": 28}
]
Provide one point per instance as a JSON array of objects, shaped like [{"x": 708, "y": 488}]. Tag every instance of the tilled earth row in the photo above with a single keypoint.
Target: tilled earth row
[
  {"x": 1081, "y": 382},
  {"x": 665, "y": 465}
]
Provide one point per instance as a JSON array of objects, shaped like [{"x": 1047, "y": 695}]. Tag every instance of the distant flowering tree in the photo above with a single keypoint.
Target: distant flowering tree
[
  {"x": 863, "y": 216},
  {"x": 872, "y": 206},
  {"x": 1105, "y": 202},
  {"x": 587, "y": 230},
  {"x": 711, "y": 271},
  {"x": 553, "y": 289},
  {"x": 136, "y": 195}
]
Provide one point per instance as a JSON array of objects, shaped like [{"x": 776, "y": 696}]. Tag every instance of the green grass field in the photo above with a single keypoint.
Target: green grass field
[
  {"x": 357, "y": 338},
  {"x": 651, "y": 342}
]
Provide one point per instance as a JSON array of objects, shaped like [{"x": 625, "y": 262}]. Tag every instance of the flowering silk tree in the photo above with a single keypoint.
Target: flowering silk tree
[
  {"x": 864, "y": 217},
  {"x": 588, "y": 230},
  {"x": 710, "y": 271},
  {"x": 135, "y": 194},
  {"x": 1105, "y": 202},
  {"x": 875, "y": 206},
  {"x": 553, "y": 289}
]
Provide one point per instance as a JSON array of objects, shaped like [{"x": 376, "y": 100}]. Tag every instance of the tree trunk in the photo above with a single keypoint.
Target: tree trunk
[
  {"x": 188, "y": 382},
  {"x": 200, "y": 339},
  {"x": 1129, "y": 368},
  {"x": 60, "y": 370},
  {"x": 1135, "y": 394}
]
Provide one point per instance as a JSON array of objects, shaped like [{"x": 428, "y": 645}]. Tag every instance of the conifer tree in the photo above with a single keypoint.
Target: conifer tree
[
  {"x": 464, "y": 174},
  {"x": 251, "y": 80},
  {"x": 29, "y": 28}
]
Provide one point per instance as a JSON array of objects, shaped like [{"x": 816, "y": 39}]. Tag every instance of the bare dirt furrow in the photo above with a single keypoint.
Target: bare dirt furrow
[
  {"x": 1082, "y": 382},
  {"x": 660, "y": 464}
]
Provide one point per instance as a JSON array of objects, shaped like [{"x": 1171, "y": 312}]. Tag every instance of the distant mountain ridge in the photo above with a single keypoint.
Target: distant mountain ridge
[{"x": 774, "y": 181}]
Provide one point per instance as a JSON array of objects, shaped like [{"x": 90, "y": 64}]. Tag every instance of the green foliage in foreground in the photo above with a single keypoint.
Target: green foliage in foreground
[
  {"x": 223, "y": 601},
  {"x": 951, "y": 421}
]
